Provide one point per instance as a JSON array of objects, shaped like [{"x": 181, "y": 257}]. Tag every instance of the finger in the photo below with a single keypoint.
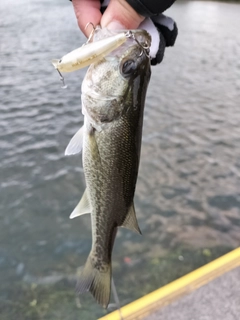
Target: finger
[
  {"x": 120, "y": 15},
  {"x": 87, "y": 11}
]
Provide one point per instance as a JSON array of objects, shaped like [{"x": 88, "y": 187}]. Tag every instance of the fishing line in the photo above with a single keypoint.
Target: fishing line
[{"x": 116, "y": 299}]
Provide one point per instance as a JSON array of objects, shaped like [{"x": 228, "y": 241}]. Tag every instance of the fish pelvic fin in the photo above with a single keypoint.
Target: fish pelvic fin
[
  {"x": 83, "y": 206},
  {"x": 130, "y": 221},
  {"x": 96, "y": 278}
]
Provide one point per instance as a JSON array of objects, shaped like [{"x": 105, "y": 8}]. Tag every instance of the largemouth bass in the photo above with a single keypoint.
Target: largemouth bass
[{"x": 113, "y": 97}]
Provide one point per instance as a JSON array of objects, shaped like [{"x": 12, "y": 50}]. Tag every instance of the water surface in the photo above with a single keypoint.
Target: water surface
[{"x": 188, "y": 192}]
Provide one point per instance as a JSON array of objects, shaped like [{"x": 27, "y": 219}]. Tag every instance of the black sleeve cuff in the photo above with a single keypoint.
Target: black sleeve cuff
[{"x": 149, "y": 8}]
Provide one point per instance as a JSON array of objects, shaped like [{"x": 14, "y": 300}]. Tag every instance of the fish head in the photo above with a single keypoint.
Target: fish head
[
  {"x": 134, "y": 60},
  {"x": 111, "y": 75},
  {"x": 109, "y": 81}
]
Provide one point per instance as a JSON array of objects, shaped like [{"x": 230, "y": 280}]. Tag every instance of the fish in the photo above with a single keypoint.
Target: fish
[
  {"x": 113, "y": 99},
  {"x": 89, "y": 53}
]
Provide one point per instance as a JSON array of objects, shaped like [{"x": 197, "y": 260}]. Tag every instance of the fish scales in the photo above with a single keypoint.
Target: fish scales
[{"x": 113, "y": 97}]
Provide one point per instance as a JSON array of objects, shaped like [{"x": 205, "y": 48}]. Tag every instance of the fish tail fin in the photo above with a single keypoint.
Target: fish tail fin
[
  {"x": 97, "y": 280},
  {"x": 55, "y": 63}
]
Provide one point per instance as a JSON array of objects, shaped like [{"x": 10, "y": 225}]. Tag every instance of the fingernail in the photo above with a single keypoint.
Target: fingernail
[{"x": 115, "y": 25}]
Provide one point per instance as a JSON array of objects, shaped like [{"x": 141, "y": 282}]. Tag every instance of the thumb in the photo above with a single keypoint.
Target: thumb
[{"x": 120, "y": 15}]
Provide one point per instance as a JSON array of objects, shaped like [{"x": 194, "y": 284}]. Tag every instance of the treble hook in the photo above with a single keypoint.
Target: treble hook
[
  {"x": 145, "y": 47},
  {"x": 92, "y": 32},
  {"x": 62, "y": 79}
]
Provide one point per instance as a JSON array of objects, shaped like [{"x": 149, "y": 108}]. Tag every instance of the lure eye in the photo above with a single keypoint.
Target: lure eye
[{"x": 128, "y": 67}]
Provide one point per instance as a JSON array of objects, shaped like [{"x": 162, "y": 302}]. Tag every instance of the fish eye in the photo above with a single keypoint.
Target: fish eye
[
  {"x": 60, "y": 61},
  {"x": 128, "y": 67}
]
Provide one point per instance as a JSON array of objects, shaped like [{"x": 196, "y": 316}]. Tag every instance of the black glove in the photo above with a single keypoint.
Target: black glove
[{"x": 168, "y": 32}]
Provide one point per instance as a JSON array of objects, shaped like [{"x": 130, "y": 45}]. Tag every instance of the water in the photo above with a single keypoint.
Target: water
[{"x": 188, "y": 192}]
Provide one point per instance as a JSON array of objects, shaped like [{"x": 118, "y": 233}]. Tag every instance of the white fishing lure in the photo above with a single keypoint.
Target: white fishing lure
[{"x": 89, "y": 53}]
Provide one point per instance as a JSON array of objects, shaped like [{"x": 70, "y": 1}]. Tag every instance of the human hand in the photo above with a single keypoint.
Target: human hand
[{"x": 118, "y": 15}]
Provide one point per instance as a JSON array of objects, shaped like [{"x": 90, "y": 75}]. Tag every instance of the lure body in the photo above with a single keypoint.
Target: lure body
[{"x": 89, "y": 53}]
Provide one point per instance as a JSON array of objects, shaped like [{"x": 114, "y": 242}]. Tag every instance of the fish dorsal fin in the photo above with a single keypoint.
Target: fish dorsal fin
[
  {"x": 76, "y": 143},
  {"x": 83, "y": 207},
  {"x": 130, "y": 221}
]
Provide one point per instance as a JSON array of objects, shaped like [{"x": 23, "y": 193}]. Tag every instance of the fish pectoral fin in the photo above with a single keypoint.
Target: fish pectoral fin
[
  {"x": 76, "y": 143},
  {"x": 55, "y": 63},
  {"x": 83, "y": 207},
  {"x": 130, "y": 221}
]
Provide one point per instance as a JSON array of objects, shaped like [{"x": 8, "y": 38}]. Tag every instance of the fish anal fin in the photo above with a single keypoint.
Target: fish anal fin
[
  {"x": 97, "y": 280},
  {"x": 83, "y": 206},
  {"x": 76, "y": 143},
  {"x": 130, "y": 221}
]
